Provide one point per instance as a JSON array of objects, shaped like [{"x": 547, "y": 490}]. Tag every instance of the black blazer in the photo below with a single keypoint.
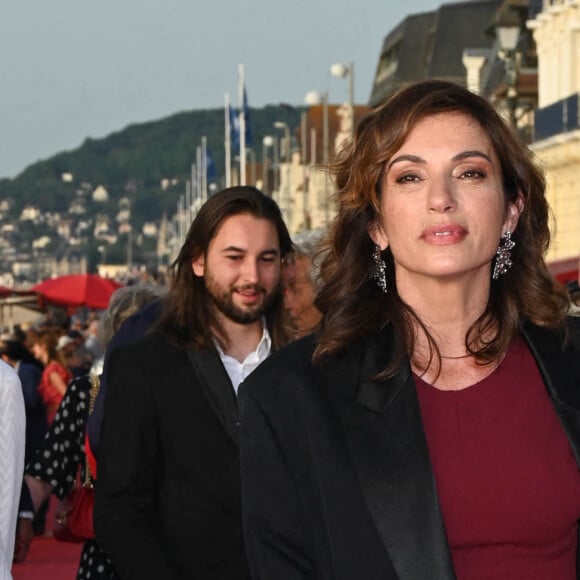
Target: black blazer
[
  {"x": 336, "y": 477},
  {"x": 168, "y": 486}
]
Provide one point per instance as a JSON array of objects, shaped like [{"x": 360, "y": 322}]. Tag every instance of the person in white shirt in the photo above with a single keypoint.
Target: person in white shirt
[{"x": 12, "y": 441}]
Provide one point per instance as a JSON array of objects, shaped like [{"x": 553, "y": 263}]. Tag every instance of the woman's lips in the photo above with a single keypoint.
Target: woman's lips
[{"x": 443, "y": 235}]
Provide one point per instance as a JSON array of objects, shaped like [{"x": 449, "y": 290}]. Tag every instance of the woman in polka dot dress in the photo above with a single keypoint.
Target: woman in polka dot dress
[{"x": 55, "y": 464}]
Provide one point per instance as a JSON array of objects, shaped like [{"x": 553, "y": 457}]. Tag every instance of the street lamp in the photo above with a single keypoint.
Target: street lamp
[
  {"x": 346, "y": 71},
  {"x": 267, "y": 143},
  {"x": 287, "y": 157},
  {"x": 286, "y": 129},
  {"x": 508, "y": 38},
  {"x": 315, "y": 98}
]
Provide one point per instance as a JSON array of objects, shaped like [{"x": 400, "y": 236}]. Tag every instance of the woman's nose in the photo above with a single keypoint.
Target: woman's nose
[{"x": 441, "y": 196}]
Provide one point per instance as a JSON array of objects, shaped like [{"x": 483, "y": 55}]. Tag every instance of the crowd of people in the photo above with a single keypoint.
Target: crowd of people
[{"x": 397, "y": 397}]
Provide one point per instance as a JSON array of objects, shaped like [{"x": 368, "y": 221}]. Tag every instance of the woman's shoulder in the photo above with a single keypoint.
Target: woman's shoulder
[
  {"x": 80, "y": 384},
  {"x": 296, "y": 353},
  {"x": 290, "y": 365},
  {"x": 55, "y": 367},
  {"x": 573, "y": 325}
]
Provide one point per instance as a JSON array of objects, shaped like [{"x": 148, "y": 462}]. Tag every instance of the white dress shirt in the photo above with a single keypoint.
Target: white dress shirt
[{"x": 238, "y": 371}]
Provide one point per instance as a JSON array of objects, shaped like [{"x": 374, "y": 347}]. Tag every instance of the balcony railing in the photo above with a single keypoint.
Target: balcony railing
[{"x": 557, "y": 118}]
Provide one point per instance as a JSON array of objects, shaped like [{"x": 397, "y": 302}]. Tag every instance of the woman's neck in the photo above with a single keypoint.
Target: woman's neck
[{"x": 448, "y": 311}]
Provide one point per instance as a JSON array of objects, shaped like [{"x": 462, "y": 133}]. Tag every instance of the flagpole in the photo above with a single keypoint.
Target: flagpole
[
  {"x": 199, "y": 164},
  {"x": 180, "y": 212},
  {"x": 204, "y": 170},
  {"x": 188, "y": 198},
  {"x": 195, "y": 192},
  {"x": 242, "y": 114},
  {"x": 228, "y": 140}
]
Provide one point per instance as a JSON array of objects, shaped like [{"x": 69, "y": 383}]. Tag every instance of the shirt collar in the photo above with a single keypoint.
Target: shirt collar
[{"x": 262, "y": 350}]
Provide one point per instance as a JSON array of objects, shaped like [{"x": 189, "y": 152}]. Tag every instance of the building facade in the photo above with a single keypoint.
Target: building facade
[{"x": 556, "y": 30}]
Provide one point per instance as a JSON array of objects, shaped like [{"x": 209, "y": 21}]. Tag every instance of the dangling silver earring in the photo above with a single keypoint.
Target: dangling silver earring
[
  {"x": 378, "y": 272},
  {"x": 503, "y": 256}
]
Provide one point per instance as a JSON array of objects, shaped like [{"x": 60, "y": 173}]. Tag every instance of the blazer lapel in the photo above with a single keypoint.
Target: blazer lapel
[
  {"x": 217, "y": 385},
  {"x": 559, "y": 364},
  {"x": 384, "y": 430}
]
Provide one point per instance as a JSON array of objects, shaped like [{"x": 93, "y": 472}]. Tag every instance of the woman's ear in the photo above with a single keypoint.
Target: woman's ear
[
  {"x": 378, "y": 235},
  {"x": 514, "y": 212}
]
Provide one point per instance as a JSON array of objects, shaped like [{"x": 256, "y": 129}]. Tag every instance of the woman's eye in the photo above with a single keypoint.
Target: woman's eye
[
  {"x": 472, "y": 174},
  {"x": 407, "y": 178}
]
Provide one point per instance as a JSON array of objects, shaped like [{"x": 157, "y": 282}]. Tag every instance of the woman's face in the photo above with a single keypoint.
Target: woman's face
[
  {"x": 39, "y": 351},
  {"x": 442, "y": 201}
]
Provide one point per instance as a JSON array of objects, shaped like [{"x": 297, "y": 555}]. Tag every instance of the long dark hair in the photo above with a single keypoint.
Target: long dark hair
[
  {"x": 352, "y": 304},
  {"x": 186, "y": 318}
]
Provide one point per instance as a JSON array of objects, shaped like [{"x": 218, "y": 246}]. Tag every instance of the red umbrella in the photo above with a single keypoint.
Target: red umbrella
[{"x": 87, "y": 290}]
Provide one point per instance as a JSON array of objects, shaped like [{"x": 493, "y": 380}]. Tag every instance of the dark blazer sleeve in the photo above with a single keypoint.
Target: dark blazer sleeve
[
  {"x": 127, "y": 499},
  {"x": 277, "y": 544},
  {"x": 134, "y": 328},
  {"x": 30, "y": 376},
  {"x": 25, "y": 504}
]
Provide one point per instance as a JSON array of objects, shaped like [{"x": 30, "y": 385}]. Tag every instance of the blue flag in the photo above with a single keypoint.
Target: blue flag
[
  {"x": 234, "y": 128},
  {"x": 210, "y": 170},
  {"x": 235, "y": 124}
]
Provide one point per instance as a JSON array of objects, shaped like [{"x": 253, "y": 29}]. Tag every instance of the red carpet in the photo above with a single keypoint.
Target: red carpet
[{"x": 49, "y": 559}]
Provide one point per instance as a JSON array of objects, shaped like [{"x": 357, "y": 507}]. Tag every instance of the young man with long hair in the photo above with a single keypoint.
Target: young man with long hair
[{"x": 168, "y": 499}]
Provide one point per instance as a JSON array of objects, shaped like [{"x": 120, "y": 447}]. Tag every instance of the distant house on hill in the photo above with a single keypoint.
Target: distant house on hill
[{"x": 100, "y": 194}]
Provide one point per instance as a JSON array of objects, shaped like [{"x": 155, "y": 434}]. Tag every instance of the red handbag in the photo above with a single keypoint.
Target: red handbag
[{"x": 74, "y": 513}]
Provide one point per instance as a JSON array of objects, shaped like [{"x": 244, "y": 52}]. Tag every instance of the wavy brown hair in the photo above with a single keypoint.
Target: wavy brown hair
[
  {"x": 186, "y": 317},
  {"x": 48, "y": 338},
  {"x": 352, "y": 304}
]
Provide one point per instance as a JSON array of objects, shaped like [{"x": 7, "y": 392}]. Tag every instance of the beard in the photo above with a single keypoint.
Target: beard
[{"x": 223, "y": 300}]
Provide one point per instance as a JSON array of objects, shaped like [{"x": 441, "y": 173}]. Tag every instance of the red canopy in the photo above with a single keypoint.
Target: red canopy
[
  {"x": 5, "y": 291},
  {"x": 87, "y": 290}
]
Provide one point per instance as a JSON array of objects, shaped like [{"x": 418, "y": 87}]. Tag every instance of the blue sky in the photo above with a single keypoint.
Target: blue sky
[{"x": 72, "y": 69}]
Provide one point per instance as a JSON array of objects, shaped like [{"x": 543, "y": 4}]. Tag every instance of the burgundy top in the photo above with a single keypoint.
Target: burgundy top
[{"x": 507, "y": 482}]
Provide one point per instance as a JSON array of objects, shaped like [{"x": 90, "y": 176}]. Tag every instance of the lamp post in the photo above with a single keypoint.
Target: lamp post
[
  {"x": 315, "y": 98},
  {"x": 286, "y": 129},
  {"x": 287, "y": 158},
  {"x": 267, "y": 142},
  {"x": 508, "y": 38},
  {"x": 303, "y": 141},
  {"x": 346, "y": 71},
  {"x": 252, "y": 155}
]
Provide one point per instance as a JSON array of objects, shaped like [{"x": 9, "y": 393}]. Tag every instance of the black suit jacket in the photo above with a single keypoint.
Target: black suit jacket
[
  {"x": 336, "y": 477},
  {"x": 36, "y": 425},
  {"x": 168, "y": 487}
]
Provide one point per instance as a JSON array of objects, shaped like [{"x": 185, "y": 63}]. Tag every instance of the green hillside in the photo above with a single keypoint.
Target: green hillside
[
  {"x": 63, "y": 220},
  {"x": 135, "y": 160}
]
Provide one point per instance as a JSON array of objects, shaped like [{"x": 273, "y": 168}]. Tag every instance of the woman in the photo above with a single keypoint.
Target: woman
[
  {"x": 56, "y": 374},
  {"x": 431, "y": 429},
  {"x": 54, "y": 468}
]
